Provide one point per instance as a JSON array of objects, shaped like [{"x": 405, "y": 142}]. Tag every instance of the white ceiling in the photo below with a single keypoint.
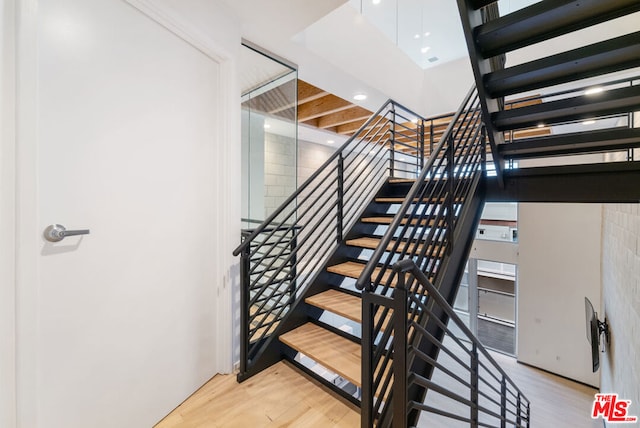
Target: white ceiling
[
  {"x": 422, "y": 29},
  {"x": 427, "y": 31},
  {"x": 342, "y": 51}
]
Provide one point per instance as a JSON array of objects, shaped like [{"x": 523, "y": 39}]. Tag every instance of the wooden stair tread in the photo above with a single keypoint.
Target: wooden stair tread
[
  {"x": 354, "y": 269},
  {"x": 389, "y": 219},
  {"x": 402, "y": 180},
  {"x": 328, "y": 349},
  {"x": 343, "y": 304},
  {"x": 399, "y": 200},
  {"x": 373, "y": 243}
]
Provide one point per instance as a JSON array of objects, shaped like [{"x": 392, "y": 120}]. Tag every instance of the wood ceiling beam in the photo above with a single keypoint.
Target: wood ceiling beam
[
  {"x": 307, "y": 92},
  {"x": 351, "y": 127},
  {"x": 321, "y": 107},
  {"x": 352, "y": 114}
]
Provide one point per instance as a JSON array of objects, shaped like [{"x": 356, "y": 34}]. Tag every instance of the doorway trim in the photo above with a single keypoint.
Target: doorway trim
[
  {"x": 228, "y": 131},
  {"x": 8, "y": 411}
]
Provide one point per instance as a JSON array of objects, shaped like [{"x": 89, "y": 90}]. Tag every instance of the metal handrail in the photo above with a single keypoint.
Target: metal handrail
[
  {"x": 406, "y": 266},
  {"x": 322, "y": 167},
  {"x": 282, "y": 256},
  {"x": 424, "y": 230},
  {"x": 408, "y": 300},
  {"x": 365, "y": 277}
]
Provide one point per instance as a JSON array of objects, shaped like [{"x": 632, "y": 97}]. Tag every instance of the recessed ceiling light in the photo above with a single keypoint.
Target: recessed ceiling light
[
  {"x": 595, "y": 90},
  {"x": 414, "y": 120},
  {"x": 425, "y": 49},
  {"x": 330, "y": 141},
  {"x": 541, "y": 125},
  {"x": 589, "y": 122},
  {"x": 416, "y": 36},
  {"x": 267, "y": 126},
  {"x": 376, "y": 1},
  {"x": 360, "y": 97},
  {"x": 427, "y": 34}
]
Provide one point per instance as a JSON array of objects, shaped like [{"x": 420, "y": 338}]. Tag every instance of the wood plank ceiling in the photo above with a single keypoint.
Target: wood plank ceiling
[{"x": 320, "y": 109}]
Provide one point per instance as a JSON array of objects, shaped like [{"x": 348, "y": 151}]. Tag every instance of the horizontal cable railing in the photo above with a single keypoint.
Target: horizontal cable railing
[
  {"x": 281, "y": 257},
  {"x": 467, "y": 387},
  {"x": 422, "y": 231}
]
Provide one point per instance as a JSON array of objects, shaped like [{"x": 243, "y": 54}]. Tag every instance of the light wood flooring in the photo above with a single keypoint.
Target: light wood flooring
[
  {"x": 283, "y": 397},
  {"x": 278, "y": 397}
]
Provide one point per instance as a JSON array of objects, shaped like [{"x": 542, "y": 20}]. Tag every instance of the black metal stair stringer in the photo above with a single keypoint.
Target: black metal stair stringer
[{"x": 483, "y": 65}]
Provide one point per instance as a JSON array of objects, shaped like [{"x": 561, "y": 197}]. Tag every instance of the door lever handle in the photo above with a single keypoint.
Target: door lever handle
[{"x": 57, "y": 232}]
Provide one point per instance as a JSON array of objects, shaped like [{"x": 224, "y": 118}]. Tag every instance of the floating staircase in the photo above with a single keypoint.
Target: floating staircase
[
  {"x": 587, "y": 96},
  {"x": 321, "y": 338},
  {"x": 318, "y": 277}
]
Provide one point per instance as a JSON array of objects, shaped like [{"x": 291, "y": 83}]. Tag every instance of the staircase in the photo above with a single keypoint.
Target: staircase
[
  {"x": 318, "y": 278},
  {"x": 588, "y": 96},
  {"x": 353, "y": 277}
]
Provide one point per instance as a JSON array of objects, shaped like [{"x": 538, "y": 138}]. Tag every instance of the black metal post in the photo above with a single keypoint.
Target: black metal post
[
  {"x": 392, "y": 154},
  {"x": 400, "y": 353},
  {"x": 519, "y": 412},
  {"x": 483, "y": 133},
  {"x": 431, "y": 140},
  {"x": 293, "y": 267},
  {"x": 528, "y": 414},
  {"x": 366, "y": 398},
  {"x": 340, "y": 201},
  {"x": 450, "y": 194},
  {"x": 244, "y": 307},
  {"x": 421, "y": 139},
  {"x": 503, "y": 403},
  {"x": 474, "y": 386}
]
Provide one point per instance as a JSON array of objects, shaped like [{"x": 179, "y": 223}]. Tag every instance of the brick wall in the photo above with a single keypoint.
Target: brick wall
[
  {"x": 279, "y": 170},
  {"x": 620, "y": 365}
]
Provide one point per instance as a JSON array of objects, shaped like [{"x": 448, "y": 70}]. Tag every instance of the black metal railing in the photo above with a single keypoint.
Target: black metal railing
[
  {"x": 467, "y": 385},
  {"x": 423, "y": 231},
  {"x": 623, "y": 120},
  {"x": 281, "y": 257}
]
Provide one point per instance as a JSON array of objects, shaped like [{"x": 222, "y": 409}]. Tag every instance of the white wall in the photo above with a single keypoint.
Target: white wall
[{"x": 559, "y": 264}]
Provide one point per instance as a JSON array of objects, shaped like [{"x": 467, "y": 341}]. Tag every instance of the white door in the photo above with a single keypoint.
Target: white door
[{"x": 120, "y": 325}]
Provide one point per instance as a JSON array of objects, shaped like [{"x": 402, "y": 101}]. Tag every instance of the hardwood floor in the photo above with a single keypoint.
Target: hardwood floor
[
  {"x": 283, "y": 397},
  {"x": 278, "y": 397}
]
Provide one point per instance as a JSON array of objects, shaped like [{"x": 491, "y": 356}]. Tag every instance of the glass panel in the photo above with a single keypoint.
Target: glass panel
[
  {"x": 269, "y": 134},
  {"x": 497, "y": 305},
  {"x": 461, "y": 305},
  {"x": 462, "y": 299}
]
